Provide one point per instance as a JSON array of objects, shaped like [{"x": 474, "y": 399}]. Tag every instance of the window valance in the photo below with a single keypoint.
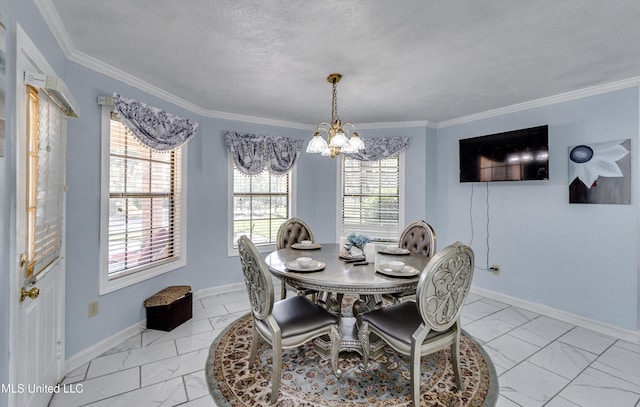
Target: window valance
[
  {"x": 376, "y": 149},
  {"x": 154, "y": 127},
  {"x": 253, "y": 153}
]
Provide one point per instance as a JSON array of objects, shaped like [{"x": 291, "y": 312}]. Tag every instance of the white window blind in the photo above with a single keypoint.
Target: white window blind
[
  {"x": 261, "y": 203},
  {"x": 144, "y": 203},
  {"x": 371, "y": 197},
  {"x": 46, "y": 180}
]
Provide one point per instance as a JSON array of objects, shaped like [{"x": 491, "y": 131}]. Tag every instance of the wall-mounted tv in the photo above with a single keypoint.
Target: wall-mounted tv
[{"x": 518, "y": 155}]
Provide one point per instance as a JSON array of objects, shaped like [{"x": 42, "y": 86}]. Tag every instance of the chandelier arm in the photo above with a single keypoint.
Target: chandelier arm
[
  {"x": 321, "y": 129},
  {"x": 349, "y": 132}
]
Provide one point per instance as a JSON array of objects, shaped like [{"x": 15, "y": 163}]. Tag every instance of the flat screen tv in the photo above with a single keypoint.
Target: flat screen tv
[{"x": 518, "y": 155}]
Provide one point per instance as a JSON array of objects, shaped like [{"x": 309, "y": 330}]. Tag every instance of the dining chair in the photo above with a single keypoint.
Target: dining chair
[
  {"x": 283, "y": 324},
  {"x": 418, "y": 237},
  {"x": 430, "y": 323},
  {"x": 292, "y": 231}
]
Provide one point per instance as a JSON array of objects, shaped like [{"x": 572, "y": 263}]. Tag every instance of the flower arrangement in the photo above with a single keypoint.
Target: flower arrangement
[{"x": 358, "y": 240}]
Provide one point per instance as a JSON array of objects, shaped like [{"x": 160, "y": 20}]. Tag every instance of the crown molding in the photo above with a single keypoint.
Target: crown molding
[
  {"x": 546, "y": 101},
  {"x": 391, "y": 125},
  {"x": 53, "y": 20}
]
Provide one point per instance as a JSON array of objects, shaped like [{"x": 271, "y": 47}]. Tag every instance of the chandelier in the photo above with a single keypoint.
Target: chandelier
[{"x": 341, "y": 138}]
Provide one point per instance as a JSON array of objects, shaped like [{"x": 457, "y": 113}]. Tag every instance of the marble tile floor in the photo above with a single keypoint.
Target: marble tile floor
[{"x": 540, "y": 361}]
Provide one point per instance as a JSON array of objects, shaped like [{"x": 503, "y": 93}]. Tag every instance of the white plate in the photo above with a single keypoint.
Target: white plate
[
  {"x": 315, "y": 265},
  {"x": 407, "y": 271},
  {"x": 392, "y": 250},
  {"x": 300, "y": 246}
]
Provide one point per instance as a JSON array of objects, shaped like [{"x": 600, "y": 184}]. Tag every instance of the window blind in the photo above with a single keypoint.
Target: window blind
[
  {"x": 46, "y": 180},
  {"x": 371, "y": 197},
  {"x": 144, "y": 199}
]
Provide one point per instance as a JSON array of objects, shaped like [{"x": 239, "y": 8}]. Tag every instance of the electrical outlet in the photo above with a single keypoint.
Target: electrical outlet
[
  {"x": 93, "y": 308},
  {"x": 495, "y": 269}
]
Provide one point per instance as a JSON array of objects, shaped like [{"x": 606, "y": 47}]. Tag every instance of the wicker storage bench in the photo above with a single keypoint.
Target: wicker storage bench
[{"x": 169, "y": 308}]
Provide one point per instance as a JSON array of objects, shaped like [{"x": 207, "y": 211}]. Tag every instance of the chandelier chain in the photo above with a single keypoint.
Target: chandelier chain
[{"x": 334, "y": 103}]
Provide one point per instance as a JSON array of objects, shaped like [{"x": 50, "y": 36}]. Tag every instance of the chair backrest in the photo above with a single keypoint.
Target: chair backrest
[
  {"x": 257, "y": 278},
  {"x": 293, "y": 230},
  {"x": 419, "y": 237},
  {"x": 444, "y": 285}
]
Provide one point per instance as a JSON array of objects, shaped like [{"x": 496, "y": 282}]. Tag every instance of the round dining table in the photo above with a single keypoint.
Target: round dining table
[{"x": 342, "y": 275}]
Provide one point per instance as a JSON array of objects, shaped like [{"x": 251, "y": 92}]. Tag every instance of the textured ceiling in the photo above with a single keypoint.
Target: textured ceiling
[{"x": 410, "y": 60}]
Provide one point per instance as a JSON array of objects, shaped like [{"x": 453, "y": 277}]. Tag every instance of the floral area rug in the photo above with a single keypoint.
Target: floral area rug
[{"x": 307, "y": 379}]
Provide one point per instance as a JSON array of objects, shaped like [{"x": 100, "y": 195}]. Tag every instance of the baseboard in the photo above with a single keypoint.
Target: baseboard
[
  {"x": 92, "y": 352},
  {"x": 573, "y": 319},
  {"x": 207, "y": 292}
]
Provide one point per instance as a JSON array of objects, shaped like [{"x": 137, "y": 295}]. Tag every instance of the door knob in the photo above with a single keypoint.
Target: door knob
[{"x": 33, "y": 293}]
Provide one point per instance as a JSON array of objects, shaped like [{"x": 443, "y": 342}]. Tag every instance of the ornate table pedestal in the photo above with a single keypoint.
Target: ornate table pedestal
[{"x": 349, "y": 326}]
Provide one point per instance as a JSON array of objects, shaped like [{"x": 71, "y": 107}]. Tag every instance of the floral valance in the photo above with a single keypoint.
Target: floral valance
[
  {"x": 154, "y": 127},
  {"x": 376, "y": 149},
  {"x": 253, "y": 153}
]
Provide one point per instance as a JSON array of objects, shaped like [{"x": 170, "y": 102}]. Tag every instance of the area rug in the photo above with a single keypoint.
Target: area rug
[{"x": 307, "y": 379}]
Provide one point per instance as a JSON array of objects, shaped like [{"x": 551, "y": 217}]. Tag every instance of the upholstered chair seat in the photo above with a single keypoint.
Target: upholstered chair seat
[
  {"x": 298, "y": 319},
  {"x": 398, "y": 323}
]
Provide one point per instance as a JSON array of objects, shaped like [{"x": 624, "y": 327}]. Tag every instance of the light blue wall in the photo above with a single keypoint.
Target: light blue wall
[
  {"x": 582, "y": 259},
  {"x": 6, "y": 225}
]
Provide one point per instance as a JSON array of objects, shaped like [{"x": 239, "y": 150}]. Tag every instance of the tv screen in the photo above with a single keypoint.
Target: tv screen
[{"x": 517, "y": 155}]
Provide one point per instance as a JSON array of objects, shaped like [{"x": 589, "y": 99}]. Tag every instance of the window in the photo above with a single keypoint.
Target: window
[
  {"x": 370, "y": 197},
  {"x": 260, "y": 204},
  {"x": 46, "y": 128},
  {"x": 142, "y": 208}
]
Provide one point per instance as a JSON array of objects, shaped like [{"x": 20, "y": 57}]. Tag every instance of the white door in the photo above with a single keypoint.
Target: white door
[{"x": 37, "y": 356}]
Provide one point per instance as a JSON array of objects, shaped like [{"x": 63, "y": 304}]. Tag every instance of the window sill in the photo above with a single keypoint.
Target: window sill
[
  {"x": 109, "y": 285},
  {"x": 233, "y": 251}
]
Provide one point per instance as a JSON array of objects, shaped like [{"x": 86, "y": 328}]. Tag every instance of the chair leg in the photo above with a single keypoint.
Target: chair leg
[
  {"x": 415, "y": 375},
  {"x": 283, "y": 290},
  {"x": 336, "y": 338},
  {"x": 277, "y": 371},
  {"x": 254, "y": 345},
  {"x": 455, "y": 361},
  {"x": 363, "y": 336}
]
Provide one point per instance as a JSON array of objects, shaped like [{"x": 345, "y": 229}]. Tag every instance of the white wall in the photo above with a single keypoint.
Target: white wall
[{"x": 578, "y": 258}]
